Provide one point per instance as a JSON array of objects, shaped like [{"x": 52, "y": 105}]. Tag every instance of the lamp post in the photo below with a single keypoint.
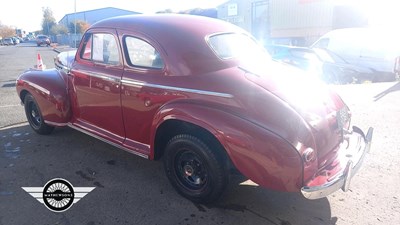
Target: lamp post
[{"x": 75, "y": 24}]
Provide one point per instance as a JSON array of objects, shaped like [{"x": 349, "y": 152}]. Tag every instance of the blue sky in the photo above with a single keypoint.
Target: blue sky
[{"x": 29, "y": 16}]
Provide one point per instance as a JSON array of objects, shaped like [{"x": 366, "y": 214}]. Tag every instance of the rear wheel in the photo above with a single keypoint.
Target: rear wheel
[
  {"x": 35, "y": 117},
  {"x": 195, "y": 169}
]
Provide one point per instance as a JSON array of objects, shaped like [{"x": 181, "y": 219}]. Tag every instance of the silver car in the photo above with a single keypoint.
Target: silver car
[{"x": 8, "y": 41}]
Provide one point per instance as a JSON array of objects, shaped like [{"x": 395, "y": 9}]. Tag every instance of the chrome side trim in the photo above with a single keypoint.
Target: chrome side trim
[
  {"x": 196, "y": 91},
  {"x": 101, "y": 76},
  {"x": 108, "y": 142},
  {"x": 55, "y": 123},
  {"x": 42, "y": 89}
]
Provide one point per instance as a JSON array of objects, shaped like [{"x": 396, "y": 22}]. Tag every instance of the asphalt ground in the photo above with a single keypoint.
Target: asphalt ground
[{"x": 132, "y": 190}]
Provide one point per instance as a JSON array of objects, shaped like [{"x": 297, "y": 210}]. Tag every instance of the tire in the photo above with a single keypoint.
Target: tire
[
  {"x": 196, "y": 170},
  {"x": 34, "y": 116}
]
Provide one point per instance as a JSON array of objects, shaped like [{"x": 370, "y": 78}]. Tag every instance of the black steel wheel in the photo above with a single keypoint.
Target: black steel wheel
[
  {"x": 196, "y": 170},
  {"x": 34, "y": 116}
]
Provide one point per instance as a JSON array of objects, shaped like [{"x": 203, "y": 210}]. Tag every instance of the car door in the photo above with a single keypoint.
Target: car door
[
  {"x": 96, "y": 77},
  {"x": 143, "y": 88}
]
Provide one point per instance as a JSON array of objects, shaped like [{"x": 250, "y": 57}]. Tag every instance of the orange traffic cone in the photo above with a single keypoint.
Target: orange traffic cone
[{"x": 39, "y": 63}]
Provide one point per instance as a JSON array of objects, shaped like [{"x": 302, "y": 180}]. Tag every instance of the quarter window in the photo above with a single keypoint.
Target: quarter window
[
  {"x": 101, "y": 48},
  {"x": 142, "y": 54}
]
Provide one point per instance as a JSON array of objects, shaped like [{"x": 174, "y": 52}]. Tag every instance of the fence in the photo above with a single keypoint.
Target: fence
[{"x": 71, "y": 40}]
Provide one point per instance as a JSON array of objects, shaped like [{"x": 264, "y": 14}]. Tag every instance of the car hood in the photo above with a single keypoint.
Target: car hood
[{"x": 314, "y": 101}]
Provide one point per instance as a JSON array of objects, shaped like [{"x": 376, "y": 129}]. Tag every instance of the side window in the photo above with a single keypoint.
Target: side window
[
  {"x": 101, "y": 48},
  {"x": 142, "y": 54}
]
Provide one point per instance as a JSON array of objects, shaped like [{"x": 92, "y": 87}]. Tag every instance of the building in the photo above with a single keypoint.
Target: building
[
  {"x": 92, "y": 16},
  {"x": 292, "y": 22}
]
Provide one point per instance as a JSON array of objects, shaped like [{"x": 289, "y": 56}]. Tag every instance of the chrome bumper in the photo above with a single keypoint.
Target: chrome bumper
[{"x": 354, "y": 155}]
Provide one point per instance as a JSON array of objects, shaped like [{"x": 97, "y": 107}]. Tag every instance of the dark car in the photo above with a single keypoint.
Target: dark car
[
  {"x": 374, "y": 48},
  {"x": 205, "y": 97},
  {"x": 43, "y": 40},
  {"x": 321, "y": 63}
]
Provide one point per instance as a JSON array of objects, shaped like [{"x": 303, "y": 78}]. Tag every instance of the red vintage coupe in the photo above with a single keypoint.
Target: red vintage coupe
[{"x": 204, "y": 96}]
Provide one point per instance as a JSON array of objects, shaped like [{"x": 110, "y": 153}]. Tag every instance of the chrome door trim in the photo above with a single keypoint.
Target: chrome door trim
[
  {"x": 135, "y": 83},
  {"x": 101, "y": 76}
]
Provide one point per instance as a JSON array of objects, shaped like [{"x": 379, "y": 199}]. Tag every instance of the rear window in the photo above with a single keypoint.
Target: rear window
[
  {"x": 236, "y": 45},
  {"x": 142, "y": 54}
]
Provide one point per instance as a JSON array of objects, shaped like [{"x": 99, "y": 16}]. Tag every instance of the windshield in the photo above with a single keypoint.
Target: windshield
[
  {"x": 328, "y": 56},
  {"x": 238, "y": 46}
]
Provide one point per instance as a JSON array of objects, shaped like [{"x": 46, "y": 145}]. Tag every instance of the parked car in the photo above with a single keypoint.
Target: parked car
[
  {"x": 322, "y": 63},
  {"x": 15, "y": 40},
  {"x": 204, "y": 96},
  {"x": 43, "y": 40},
  {"x": 373, "y": 48},
  {"x": 8, "y": 41}
]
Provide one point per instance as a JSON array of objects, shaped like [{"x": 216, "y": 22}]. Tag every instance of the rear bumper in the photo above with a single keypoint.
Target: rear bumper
[{"x": 352, "y": 157}]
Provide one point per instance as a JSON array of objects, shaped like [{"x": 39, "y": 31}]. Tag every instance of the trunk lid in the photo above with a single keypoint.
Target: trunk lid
[{"x": 321, "y": 108}]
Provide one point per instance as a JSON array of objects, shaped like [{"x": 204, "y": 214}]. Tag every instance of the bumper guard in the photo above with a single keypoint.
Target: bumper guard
[{"x": 354, "y": 157}]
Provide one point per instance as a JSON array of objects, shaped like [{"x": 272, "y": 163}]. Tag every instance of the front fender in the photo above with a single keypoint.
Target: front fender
[
  {"x": 50, "y": 90},
  {"x": 259, "y": 154}
]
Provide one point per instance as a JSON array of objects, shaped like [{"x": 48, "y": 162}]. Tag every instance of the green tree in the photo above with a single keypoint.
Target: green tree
[
  {"x": 81, "y": 27},
  {"x": 48, "y": 21}
]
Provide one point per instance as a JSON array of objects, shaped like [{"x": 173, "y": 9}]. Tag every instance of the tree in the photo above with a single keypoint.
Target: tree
[
  {"x": 201, "y": 12},
  {"x": 165, "y": 11},
  {"x": 59, "y": 29},
  {"x": 6, "y": 31},
  {"x": 81, "y": 27},
  {"x": 48, "y": 21}
]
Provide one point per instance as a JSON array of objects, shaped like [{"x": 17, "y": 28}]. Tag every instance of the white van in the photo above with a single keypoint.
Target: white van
[{"x": 374, "y": 48}]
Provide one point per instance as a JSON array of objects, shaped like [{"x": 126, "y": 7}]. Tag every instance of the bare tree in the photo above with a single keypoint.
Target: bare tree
[
  {"x": 6, "y": 31},
  {"x": 81, "y": 27}
]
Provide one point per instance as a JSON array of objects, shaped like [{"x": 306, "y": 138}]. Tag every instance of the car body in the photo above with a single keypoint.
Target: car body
[
  {"x": 16, "y": 40},
  {"x": 374, "y": 48},
  {"x": 204, "y": 96},
  {"x": 8, "y": 41},
  {"x": 322, "y": 63},
  {"x": 43, "y": 40}
]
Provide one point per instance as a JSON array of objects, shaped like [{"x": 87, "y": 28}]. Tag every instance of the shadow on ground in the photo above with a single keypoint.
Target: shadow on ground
[
  {"x": 128, "y": 189},
  {"x": 394, "y": 88}
]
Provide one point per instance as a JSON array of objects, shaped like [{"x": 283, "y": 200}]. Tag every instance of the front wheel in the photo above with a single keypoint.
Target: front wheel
[
  {"x": 195, "y": 169},
  {"x": 35, "y": 117}
]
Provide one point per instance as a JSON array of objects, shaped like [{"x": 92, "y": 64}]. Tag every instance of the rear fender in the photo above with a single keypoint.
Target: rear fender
[
  {"x": 257, "y": 153},
  {"x": 50, "y": 90}
]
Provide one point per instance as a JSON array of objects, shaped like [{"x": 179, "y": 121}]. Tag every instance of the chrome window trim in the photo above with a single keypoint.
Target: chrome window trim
[{"x": 189, "y": 90}]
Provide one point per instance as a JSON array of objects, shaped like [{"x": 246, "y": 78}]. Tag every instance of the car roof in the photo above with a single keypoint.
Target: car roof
[
  {"x": 181, "y": 37},
  {"x": 167, "y": 22}
]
